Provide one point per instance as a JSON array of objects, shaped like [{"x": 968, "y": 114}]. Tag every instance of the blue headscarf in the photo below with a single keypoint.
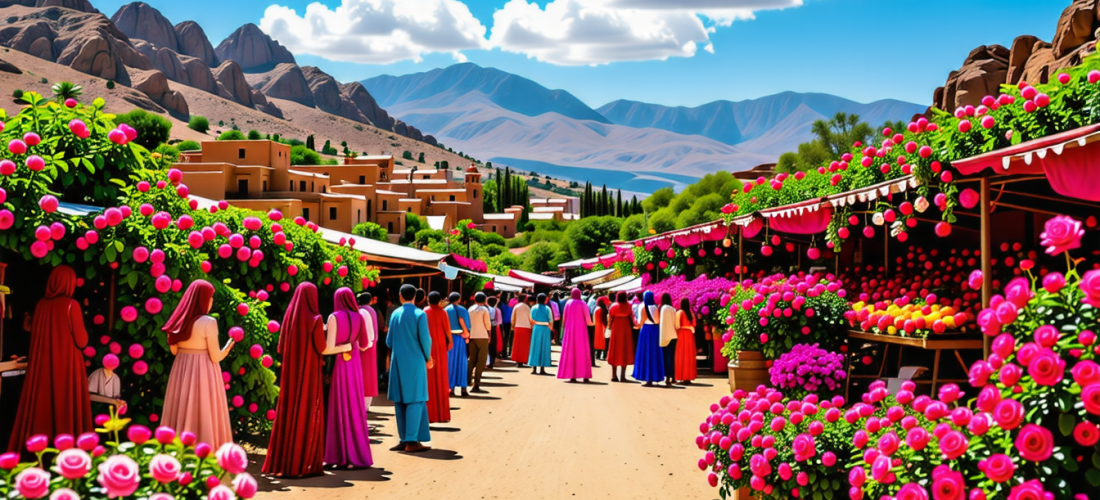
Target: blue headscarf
[{"x": 647, "y": 300}]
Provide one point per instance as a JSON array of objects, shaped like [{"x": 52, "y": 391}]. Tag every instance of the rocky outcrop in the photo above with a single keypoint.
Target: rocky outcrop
[
  {"x": 981, "y": 74},
  {"x": 232, "y": 84},
  {"x": 187, "y": 70},
  {"x": 193, "y": 42},
  {"x": 253, "y": 50},
  {"x": 81, "y": 5},
  {"x": 139, "y": 20},
  {"x": 1076, "y": 26},
  {"x": 285, "y": 81},
  {"x": 367, "y": 106},
  {"x": 154, "y": 84},
  {"x": 327, "y": 95}
]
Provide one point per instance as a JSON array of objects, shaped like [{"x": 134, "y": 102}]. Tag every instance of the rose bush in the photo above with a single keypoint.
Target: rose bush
[
  {"x": 808, "y": 369},
  {"x": 139, "y": 463}
]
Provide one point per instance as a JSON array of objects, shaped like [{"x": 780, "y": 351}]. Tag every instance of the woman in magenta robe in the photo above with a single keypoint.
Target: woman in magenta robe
[
  {"x": 347, "y": 436},
  {"x": 576, "y": 354},
  {"x": 55, "y": 397}
]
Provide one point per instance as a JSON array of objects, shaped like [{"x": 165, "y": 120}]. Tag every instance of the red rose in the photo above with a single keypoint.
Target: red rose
[
  {"x": 953, "y": 444},
  {"x": 998, "y": 468},
  {"x": 1035, "y": 443},
  {"x": 1046, "y": 368},
  {"x": 1031, "y": 490},
  {"x": 1091, "y": 397},
  {"x": 1086, "y": 373},
  {"x": 1086, "y": 433},
  {"x": 947, "y": 484}
]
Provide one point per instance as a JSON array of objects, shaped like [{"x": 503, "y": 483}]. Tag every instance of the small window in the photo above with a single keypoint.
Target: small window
[
  {"x": 358, "y": 215},
  {"x": 265, "y": 185},
  {"x": 292, "y": 185},
  {"x": 323, "y": 188},
  {"x": 312, "y": 187},
  {"x": 390, "y": 230},
  {"x": 452, "y": 197},
  {"x": 475, "y": 194},
  {"x": 494, "y": 229},
  {"x": 240, "y": 153},
  {"x": 362, "y": 179},
  {"x": 305, "y": 213},
  {"x": 302, "y": 186},
  {"x": 385, "y": 207},
  {"x": 368, "y": 209},
  {"x": 505, "y": 229},
  {"x": 331, "y": 213},
  {"x": 242, "y": 186}
]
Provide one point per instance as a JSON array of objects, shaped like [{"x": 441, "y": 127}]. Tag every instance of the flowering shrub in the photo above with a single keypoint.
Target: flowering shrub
[
  {"x": 774, "y": 314},
  {"x": 808, "y": 369},
  {"x": 148, "y": 244},
  {"x": 778, "y": 448},
  {"x": 158, "y": 465},
  {"x": 705, "y": 294}
]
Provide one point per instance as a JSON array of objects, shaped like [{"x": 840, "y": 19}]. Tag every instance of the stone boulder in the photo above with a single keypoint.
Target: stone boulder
[
  {"x": 253, "y": 50},
  {"x": 1076, "y": 26},
  {"x": 41, "y": 48},
  {"x": 367, "y": 106},
  {"x": 981, "y": 74},
  {"x": 1022, "y": 48},
  {"x": 285, "y": 81},
  {"x": 327, "y": 95},
  {"x": 141, "y": 21},
  {"x": 154, "y": 84},
  {"x": 198, "y": 74},
  {"x": 81, "y": 5},
  {"x": 193, "y": 42},
  {"x": 232, "y": 84},
  {"x": 1040, "y": 66},
  {"x": 262, "y": 104}
]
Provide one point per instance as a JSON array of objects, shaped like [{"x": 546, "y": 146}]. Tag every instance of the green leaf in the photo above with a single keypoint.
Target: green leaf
[
  {"x": 120, "y": 182},
  {"x": 119, "y": 246},
  {"x": 99, "y": 102},
  {"x": 1066, "y": 422},
  {"x": 1093, "y": 475}
]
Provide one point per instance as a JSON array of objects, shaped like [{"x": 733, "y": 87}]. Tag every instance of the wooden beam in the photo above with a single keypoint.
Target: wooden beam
[
  {"x": 741, "y": 254},
  {"x": 987, "y": 251},
  {"x": 1054, "y": 199}
]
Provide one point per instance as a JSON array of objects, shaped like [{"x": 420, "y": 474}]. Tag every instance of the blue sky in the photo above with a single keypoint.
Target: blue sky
[{"x": 859, "y": 49}]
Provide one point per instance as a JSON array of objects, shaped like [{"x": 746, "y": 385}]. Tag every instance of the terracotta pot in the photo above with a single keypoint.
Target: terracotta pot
[
  {"x": 743, "y": 494},
  {"x": 748, "y": 372}
]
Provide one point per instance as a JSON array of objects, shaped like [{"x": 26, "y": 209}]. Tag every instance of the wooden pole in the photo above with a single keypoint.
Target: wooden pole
[
  {"x": 741, "y": 254},
  {"x": 111, "y": 304},
  {"x": 886, "y": 248},
  {"x": 987, "y": 251}
]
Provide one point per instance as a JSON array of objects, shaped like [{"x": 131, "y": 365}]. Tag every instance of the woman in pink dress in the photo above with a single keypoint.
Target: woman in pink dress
[
  {"x": 576, "y": 354},
  {"x": 195, "y": 400},
  {"x": 347, "y": 436}
]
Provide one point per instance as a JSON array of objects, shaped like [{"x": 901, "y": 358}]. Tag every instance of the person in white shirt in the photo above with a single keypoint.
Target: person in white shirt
[
  {"x": 481, "y": 324},
  {"x": 521, "y": 326},
  {"x": 668, "y": 336}
]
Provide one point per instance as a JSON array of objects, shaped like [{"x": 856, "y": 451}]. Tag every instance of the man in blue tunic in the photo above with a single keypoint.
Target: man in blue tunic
[
  {"x": 410, "y": 346},
  {"x": 458, "y": 356}
]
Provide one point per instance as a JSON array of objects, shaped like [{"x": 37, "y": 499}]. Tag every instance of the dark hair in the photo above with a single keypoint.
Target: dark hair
[
  {"x": 621, "y": 298},
  {"x": 408, "y": 292},
  {"x": 531, "y": 298},
  {"x": 479, "y": 298},
  {"x": 419, "y": 295},
  {"x": 601, "y": 305},
  {"x": 364, "y": 298},
  {"x": 493, "y": 301},
  {"x": 454, "y": 297},
  {"x": 685, "y": 306},
  {"x": 541, "y": 298},
  {"x": 666, "y": 299},
  {"x": 434, "y": 298}
]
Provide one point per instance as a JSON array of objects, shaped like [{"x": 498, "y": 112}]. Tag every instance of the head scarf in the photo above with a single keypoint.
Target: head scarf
[
  {"x": 648, "y": 300},
  {"x": 603, "y": 303},
  {"x": 194, "y": 304},
  {"x": 621, "y": 298},
  {"x": 344, "y": 302},
  {"x": 576, "y": 294},
  {"x": 62, "y": 282},
  {"x": 302, "y": 313}
]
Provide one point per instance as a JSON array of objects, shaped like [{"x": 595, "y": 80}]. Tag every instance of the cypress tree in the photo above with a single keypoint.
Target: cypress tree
[
  {"x": 309, "y": 143},
  {"x": 603, "y": 201},
  {"x": 619, "y": 204}
]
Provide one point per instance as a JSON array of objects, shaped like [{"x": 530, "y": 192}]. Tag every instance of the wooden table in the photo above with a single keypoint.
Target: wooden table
[{"x": 937, "y": 343}]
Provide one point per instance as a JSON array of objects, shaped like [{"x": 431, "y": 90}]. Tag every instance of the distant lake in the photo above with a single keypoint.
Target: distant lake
[{"x": 633, "y": 183}]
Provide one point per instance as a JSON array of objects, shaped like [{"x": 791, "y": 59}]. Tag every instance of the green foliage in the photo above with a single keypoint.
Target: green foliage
[
  {"x": 544, "y": 256},
  {"x": 170, "y": 153},
  {"x": 407, "y": 155},
  {"x": 592, "y": 236},
  {"x": 490, "y": 198},
  {"x": 660, "y": 198},
  {"x": 302, "y": 155},
  {"x": 18, "y": 94},
  {"x": 67, "y": 90},
  {"x": 413, "y": 224},
  {"x": 110, "y": 84},
  {"x": 309, "y": 143},
  {"x": 198, "y": 124},
  {"x": 189, "y": 146},
  {"x": 231, "y": 135},
  {"x": 633, "y": 228},
  {"x": 370, "y": 230},
  {"x": 254, "y": 135},
  {"x": 152, "y": 129},
  {"x": 663, "y": 220}
]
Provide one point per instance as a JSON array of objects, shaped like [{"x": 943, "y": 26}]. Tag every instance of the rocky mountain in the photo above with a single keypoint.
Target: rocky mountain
[
  {"x": 253, "y": 50},
  {"x": 515, "y": 121},
  {"x": 1029, "y": 59},
  {"x": 738, "y": 122}
]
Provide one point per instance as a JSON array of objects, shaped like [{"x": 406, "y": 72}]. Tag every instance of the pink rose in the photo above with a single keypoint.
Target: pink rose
[
  {"x": 1090, "y": 284},
  {"x": 987, "y": 320},
  {"x": 998, "y": 468},
  {"x": 232, "y": 458},
  {"x": 953, "y": 444},
  {"x": 1054, "y": 282},
  {"x": 1007, "y": 312},
  {"x": 1086, "y": 433},
  {"x": 917, "y": 438},
  {"x": 66, "y": 494},
  {"x": 1018, "y": 292},
  {"x": 88, "y": 440},
  {"x": 1046, "y": 368},
  {"x": 1090, "y": 396},
  {"x": 988, "y": 398},
  {"x": 1035, "y": 443},
  {"x": 33, "y": 483},
  {"x": 979, "y": 424},
  {"x": 139, "y": 434},
  {"x": 164, "y": 468},
  {"x": 1011, "y": 373},
  {"x": 1031, "y": 490},
  {"x": 119, "y": 475},
  {"x": 1008, "y": 414},
  {"x": 8, "y": 461},
  {"x": 912, "y": 491},
  {"x": 245, "y": 485},
  {"x": 221, "y": 492},
  {"x": 1061, "y": 234},
  {"x": 73, "y": 463},
  {"x": 947, "y": 484},
  {"x": 1086, "y": 372},
  {"x": 979, "y": 373},
  {"x": 1047, "y": 335}
]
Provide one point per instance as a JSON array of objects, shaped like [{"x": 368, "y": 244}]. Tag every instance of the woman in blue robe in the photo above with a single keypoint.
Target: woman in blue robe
[
  {"x": 649, "y": 360},
  {"x": 542, "y": 317}
]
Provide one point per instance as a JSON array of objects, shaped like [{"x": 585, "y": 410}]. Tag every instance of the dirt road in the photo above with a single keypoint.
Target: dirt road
[{"x": 536, "y": 437}]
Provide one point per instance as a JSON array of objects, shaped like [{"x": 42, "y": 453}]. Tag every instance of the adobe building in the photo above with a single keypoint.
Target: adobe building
[{"x": 258, "y": 175}]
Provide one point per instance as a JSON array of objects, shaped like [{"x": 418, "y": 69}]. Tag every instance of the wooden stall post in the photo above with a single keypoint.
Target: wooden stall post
[
  {"x": 987, "y": 250},
  {"x": 741, "y": 254}
]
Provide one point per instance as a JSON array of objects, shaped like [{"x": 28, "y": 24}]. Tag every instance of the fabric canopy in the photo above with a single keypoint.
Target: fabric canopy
[
  {"x": 1017, "y": 159},
  {"x": 632, "y": 285},
  {"x": 537, "y": 279},
  {"x": 594, "y": 277},
  {"x": 614, "y": 283},
  {"x": 809, "y": 222},
  {"x": 1070, "y": 173}
]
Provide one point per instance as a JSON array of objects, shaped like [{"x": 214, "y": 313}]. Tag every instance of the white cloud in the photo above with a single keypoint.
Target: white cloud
[
  {"x": 591, "y": 32},
  {"x": 377, "y": 31}
]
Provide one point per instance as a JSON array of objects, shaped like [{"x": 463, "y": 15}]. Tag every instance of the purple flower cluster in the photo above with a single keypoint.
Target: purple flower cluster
[
  {"x": 704, "y": 294},
  {"x": 807, "y": 369}
]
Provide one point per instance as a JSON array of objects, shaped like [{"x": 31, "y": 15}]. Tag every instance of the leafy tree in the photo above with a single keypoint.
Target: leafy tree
[
  {"x": 591, "y": 235},
  {"x": 18, "y": 94},
  {"x": 663, "y": 220},
  {"x": 254, "y": 135},
  {"x": 543, "y": 257},
  {"x": 152, "y": 129},
  {"x": 110, "y": 84},
  {"x": 169, "y": 152},
  {"x": 301, "y": 155},
  {"x": 199, "y": 124},
  {"x": 310, "y": 144},
  {"x": 413, "y": 225},
  {"x": 67, "y": 90},
  {"x": 421, "y": 160},
  {"x": 369, "y": 230},
  {"x": 633, "y": 227},
  {"x": 659, "y": 199},
  {"x": 407, "y": 155},
  {"x": 328, "y": 149},
  {"x": 189, "y": 146},
  {"x": 489, "y": 200},
  {"x": 231, "y": 135}
]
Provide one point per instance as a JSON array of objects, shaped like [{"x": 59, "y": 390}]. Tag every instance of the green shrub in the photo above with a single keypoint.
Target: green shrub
[
  {"x": 189, "y": 146},
  {"x": 152, "y": 129},
  {"x": 199, "y": 124},
  {"x": 169, "y": 152},
  {"x": 18, "y": 94},
  {"x": 413, "y": 224},
  {"x": 254, "y": 135},
  {"x": 110, "y": 84},
  {"x": 370, "y": 230},
  {"x": 301, "y": 155},
  {"x": 231, "y": 135}
]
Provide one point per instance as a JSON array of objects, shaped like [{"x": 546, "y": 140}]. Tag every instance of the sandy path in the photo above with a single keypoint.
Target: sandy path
[{"x": 537, "y": 437}]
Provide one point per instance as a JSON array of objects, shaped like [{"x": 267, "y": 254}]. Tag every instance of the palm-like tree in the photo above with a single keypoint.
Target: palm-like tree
[{"x": 67, "y": 90}]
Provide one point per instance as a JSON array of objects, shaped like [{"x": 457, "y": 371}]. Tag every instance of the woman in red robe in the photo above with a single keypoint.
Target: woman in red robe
[
  {"x": 600, "y": 340},
  {"x": 686, "y": 369},
  {"x": 439, "y": 385},
  {"x": 55, "y": 397},
  {"x": 620, "y": 350},
  {"x": 297, "y": 446}
]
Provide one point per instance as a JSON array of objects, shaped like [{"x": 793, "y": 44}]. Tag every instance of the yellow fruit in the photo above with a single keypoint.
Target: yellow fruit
[{"x": 892, "y": 330}]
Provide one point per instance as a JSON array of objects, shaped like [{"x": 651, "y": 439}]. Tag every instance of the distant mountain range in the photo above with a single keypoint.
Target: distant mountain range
[{"x": 511, "y": 120}]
